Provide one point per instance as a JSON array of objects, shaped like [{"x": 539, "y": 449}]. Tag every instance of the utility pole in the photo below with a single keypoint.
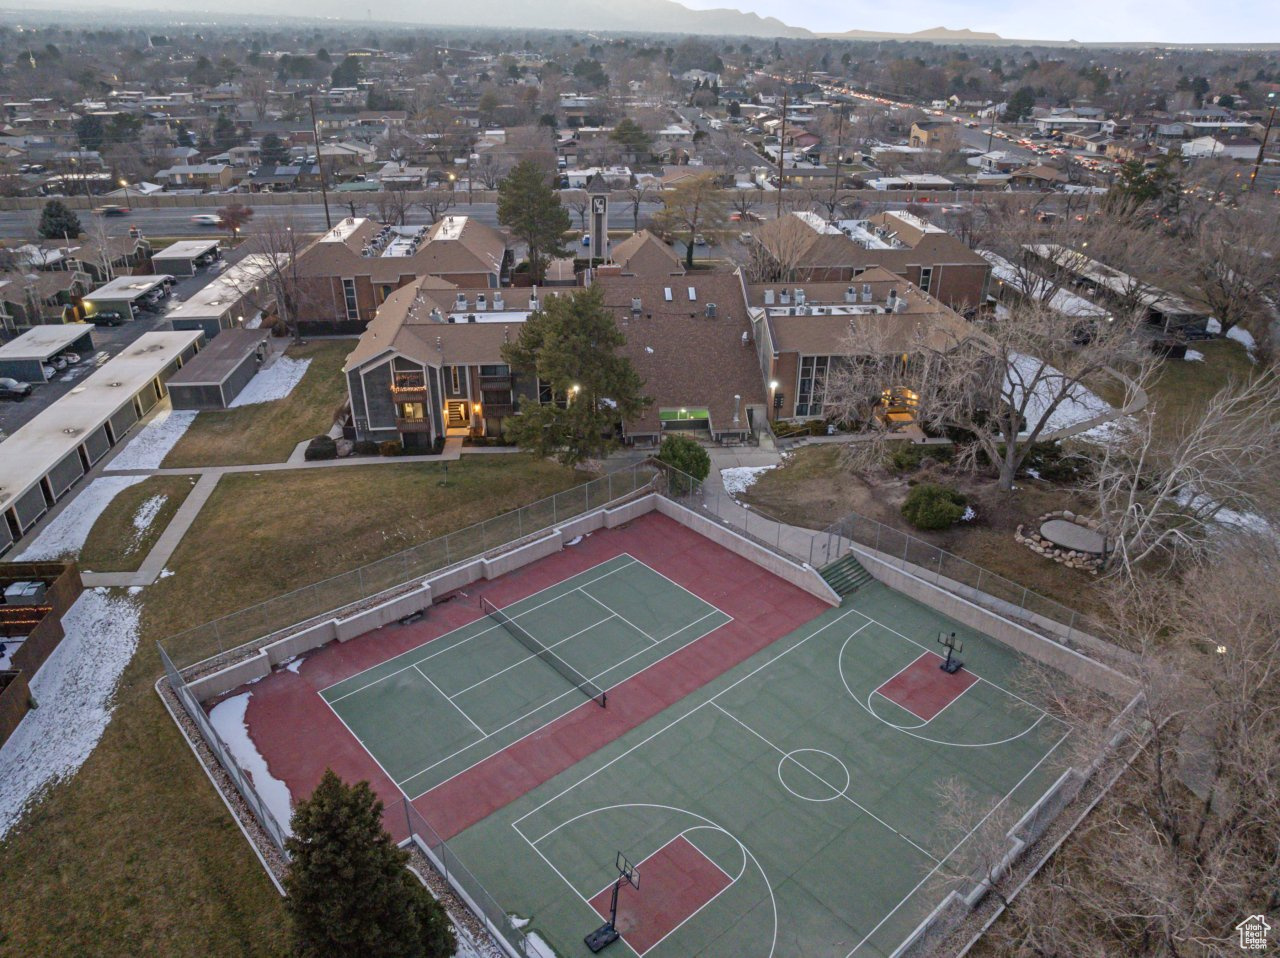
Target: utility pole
[
  {"x": 1271, "y": 118},
  {"x": 835, "y": 184},
  {"x": 324, "y": 189},
  {"x": 782, "y": 151}
]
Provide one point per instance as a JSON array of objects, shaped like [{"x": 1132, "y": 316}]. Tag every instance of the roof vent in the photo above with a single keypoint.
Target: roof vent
[
  {"x": 462, "y": 301},
  {"x": 850, "y": 295},
  {"x": 799, "y": 296},
  {"x": 636, "y": 305},
  {"x": 499, "y": 303},
  {"x": 482, "y": 304},
  {"x": 711, "y": 310},
  {"x": 768, "y": 297},
  {"x": 784, "y": 298},
  {"x": 471, "y": 317},
  {"x": 866, "y": 292}
]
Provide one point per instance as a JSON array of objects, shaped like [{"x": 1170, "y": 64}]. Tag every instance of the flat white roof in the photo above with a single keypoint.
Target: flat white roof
[
  {"x": 28, "y": 455},
  {"x": 186, "y": 249},
  {"x": 227, "y": 290},
  {"x": 125, "y": 288},
  {"x": 41, "y": 342}
]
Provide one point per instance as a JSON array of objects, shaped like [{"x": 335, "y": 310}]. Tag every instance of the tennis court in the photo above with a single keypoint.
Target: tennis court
[
  {"x": 788, "y": 808},
  {"x": 433, "y": 712}
]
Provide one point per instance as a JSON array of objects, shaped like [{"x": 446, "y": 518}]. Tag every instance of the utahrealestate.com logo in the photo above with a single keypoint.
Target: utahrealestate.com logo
[{"x": 1253, "y": 933}]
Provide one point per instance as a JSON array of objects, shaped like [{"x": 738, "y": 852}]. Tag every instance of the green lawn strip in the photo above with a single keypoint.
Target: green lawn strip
[
  {"x": 114, "y": 544},
  {"x": 268, "y": 432},
  {"x": 136, "y": 855}
]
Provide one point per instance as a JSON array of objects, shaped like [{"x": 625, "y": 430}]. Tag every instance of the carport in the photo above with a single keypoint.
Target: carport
[
  {"x": 124, "y": 294},
  {"x": 223, "y": 368},
  {"x": 27, "y": 357},
  {"x": 185, "y": 257}
]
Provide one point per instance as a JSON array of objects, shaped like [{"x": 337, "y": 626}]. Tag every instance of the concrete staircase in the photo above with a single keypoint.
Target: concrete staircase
[{"x": 846, "y": 575}]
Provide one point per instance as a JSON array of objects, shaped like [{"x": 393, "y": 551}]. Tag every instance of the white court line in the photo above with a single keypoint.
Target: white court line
[
  {"x": 593, "y": 678},
  {"x": 529, "y": 658},
  {"x": 706, "y": 904},
  {"x": 785, "y": 754},
  {"x": 707, "y": 823},
  {"x": 677, "y": 721},
  {"x": 618, "y": 615},
  {"x": 449, "y": 700},
  {"x": 923, "y": 721},
  {"x": 467, "y": 625},
  {"x": 935, "y": 868},
  {"x": 368, "y": 751},
  {"x": 876, "y": 690}
]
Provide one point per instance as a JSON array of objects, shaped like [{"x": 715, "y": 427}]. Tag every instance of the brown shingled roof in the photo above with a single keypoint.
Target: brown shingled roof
[{"x": 643, "y": 254}]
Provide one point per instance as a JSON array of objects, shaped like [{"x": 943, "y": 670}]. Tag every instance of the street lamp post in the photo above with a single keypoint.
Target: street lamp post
[
  {"x": 1262, "y": 147},
  {"x": 773, "y": 397}
]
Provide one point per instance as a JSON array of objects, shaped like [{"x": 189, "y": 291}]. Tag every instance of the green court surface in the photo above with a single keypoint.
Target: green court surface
[
  {"x": 814, "y": 796},
  {"x": 430, "y": 713}
]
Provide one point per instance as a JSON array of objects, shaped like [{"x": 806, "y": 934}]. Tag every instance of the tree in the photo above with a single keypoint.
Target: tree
[
  {"x": 637, "y": 194},
  {"x": 349, "y": 892},
  {"x": 234, "y": 217},
  {"x": 225, "y": 134},
  {"x": 1190, "y": 831},
  {"x": 571, "y": 345},
  {"x": 997, "y": 382},
  {"x": 631, "y": 138},
  {"x": 435, "y": 203},
  {"x": 90, "y": 132},
  {"x": 696, "y": 205},
  {"x": 685, "y": 454},
  {"x": 348, "y": 72},
  {"x": 530, "y": 208},
  {"x": 57, "y": 221},
  {"x": 1138, "y": 188},
  {"x": 1231, "y": 257},
  {"x": 1019, "y": 105},
  {"x": 591, "y": 73},
  {"x": 273, "y": 150},
  {"x": 1174, "y": 491}
]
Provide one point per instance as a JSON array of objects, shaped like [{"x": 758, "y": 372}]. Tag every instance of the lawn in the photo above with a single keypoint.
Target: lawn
[
  {"x": 137, "y": 855},
  {"x": 268, "y": 432},
  {"x": 815, "y": 489},
  {"x": 116, "y": 543}
]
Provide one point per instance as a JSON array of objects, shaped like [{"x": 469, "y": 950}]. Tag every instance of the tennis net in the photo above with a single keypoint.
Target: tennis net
[{"x": 521, "y": 635}]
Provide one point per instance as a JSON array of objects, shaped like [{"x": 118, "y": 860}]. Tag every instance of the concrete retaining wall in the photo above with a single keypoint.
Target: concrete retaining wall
[
  {"x": 1023, "y": 640},
  {"x": 292, "y": 646},
  {"x": 385, "y": 613},
  {"x": 522, "y": 555},
  {"x": 802, "y": 576},
  {"x": 630, "y": 511}
]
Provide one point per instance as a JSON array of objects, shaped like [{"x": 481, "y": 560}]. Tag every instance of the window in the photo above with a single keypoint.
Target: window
[
  {"x": 349, "y": 294},
  {"x": 455, "y": 379},
  {"x": 666, "y": 293},
  {"x": 411, "y": 412},
  {"x": 926, "y": 278},
  {"x": 811, "y": 386},
  {"x": 495, "y": 371},
  {"x": 548, "y": 396}
]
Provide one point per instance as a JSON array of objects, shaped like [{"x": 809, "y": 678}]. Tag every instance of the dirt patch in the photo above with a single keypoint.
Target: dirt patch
[{"x": 814, "y": 489}]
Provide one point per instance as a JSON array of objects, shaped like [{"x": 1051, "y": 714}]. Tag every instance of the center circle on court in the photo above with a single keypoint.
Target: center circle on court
[{"x": 813, "y": 775}]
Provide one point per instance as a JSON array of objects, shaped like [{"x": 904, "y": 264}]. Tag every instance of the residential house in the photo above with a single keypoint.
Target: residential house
[
  {"x": 284, "y": 178},
  {"x": 1231, "y": 147},
  {"x": 351, "y": 270},
  {"x": 803, "y": 247},
  {"x": 643, "y": 255},
  {"x": 931, "y": 134},
  {"x": 1037, "y": 177},
  {"x": 344, "y": 156},
  {"x": 801, "y": 335},
  {"x": 40, "y": 298},
  {"x": 197, "y": 176}
]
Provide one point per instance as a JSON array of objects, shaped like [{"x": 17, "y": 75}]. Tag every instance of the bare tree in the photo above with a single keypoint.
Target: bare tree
[
  {"x": 1187, "y": 843},
  {"x": 579, "y": 204},
  {"x": 275, "y": 276},
  {"x": 1000, "y": 382},
  {"x": 783, "y": 244},
  {"x": 695, "y": 206},
  {"x": 639, "y": 193},
  {"x": 1232, "y": 259},
  {"x": 1174, "y": 490},
  {"x": 392, "y": 205},
  {"x": 435, "y": 203}
]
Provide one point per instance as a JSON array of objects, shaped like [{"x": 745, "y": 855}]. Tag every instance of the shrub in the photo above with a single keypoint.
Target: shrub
[
  {"x": 930, "y": 506},
  {"x": 437, "y": 446},
  {"x": 906, "y": 457},
  {"x": 365, "y": 447},
  {"x": 685, "y": 454},
  {"x": 321, "y": 447},
  {"x": 390, "y": 447}
]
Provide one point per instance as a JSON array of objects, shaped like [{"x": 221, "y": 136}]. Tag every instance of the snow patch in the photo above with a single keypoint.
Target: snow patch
[
  {"x": 228, "y": 718},
  {"x": 738, "y": 479},
  {"x": 969, "y": 514},
  {"x": 1244, "y": 338},
  {"x": 67, "y": 531},
  {"x": 274, "y": 382},
  {"x": 517, "y": 922},
  {"x": 148, "y": 448},
  {"x": 576, "y": 539},
  {"x": 293, "y": 665},
  {"x": 1194, "y": 356},
  {"x": 146, "y": 515},
  {"x": 74, "y": 687},
  {"x": 1081, "y": 404},
  {"x": 539, "y": 948},
  {"x": 165, "y": 573}
]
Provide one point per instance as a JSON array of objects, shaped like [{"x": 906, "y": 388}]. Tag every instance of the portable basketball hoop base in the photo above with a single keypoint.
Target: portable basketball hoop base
[
  {"x": 951, "y": 665},
  {"x": 607, "y": 933}
]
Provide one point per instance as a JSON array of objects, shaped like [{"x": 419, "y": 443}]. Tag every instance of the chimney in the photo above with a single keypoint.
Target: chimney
[
  {"x": 711, "y": 310},
  {"x": 768, "y": 297}
]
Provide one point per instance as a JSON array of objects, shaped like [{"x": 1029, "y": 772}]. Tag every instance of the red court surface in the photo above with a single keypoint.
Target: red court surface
[
  {"x": 923, "y": 689},
  {"x": 675, "y": 882},
  {"x": 299, "y": 736}
]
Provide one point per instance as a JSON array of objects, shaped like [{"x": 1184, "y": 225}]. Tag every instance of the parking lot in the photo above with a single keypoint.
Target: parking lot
[{"x": 108, "y": 341}]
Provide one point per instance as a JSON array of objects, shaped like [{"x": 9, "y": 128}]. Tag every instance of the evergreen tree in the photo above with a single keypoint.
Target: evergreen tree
[
  {"x": 1019, "y": 105},
  {"x": 532, "y": 210},
  {"x": 631, "y": 136},
  {"x": 686, "y": 455},
  {"x": 273, "y": 149},
  {"x": 57, "y": 221},
  {"x": 90, "y": 132},
  {"x": 347, "y": 73},
  {"x": 350, "y": 895},
  {"x": 571, "y": 344}
]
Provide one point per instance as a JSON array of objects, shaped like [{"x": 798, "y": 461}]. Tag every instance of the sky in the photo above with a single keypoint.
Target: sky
[{"x": 1168, "y": 21}]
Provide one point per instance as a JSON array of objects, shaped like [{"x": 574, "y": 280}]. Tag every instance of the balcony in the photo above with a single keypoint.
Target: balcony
[
  {"x": 413, "y": 425},
  {"x": 409, "y": 387}
]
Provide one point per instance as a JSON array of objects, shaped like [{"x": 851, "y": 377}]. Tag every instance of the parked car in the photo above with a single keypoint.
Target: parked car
[
  {"x": 108, "y": 317},
  {"x": 58, "y": 362},
  {"x": 207, "y": 219},
  {"x": 71, "y": 358},
  {"x": 13, "y": 390}
]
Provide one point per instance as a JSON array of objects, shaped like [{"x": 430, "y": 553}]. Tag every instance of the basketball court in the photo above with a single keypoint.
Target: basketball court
[{"x": 768, "y": 767}]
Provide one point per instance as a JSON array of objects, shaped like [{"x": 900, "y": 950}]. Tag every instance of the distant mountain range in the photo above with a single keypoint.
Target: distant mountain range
[{"x": 935, "y": 35}]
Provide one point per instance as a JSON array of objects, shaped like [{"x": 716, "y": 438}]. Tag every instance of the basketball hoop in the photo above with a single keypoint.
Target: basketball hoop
[
  {"x": 953, "y": 646},
  {"x": 607, "y": 934}
]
